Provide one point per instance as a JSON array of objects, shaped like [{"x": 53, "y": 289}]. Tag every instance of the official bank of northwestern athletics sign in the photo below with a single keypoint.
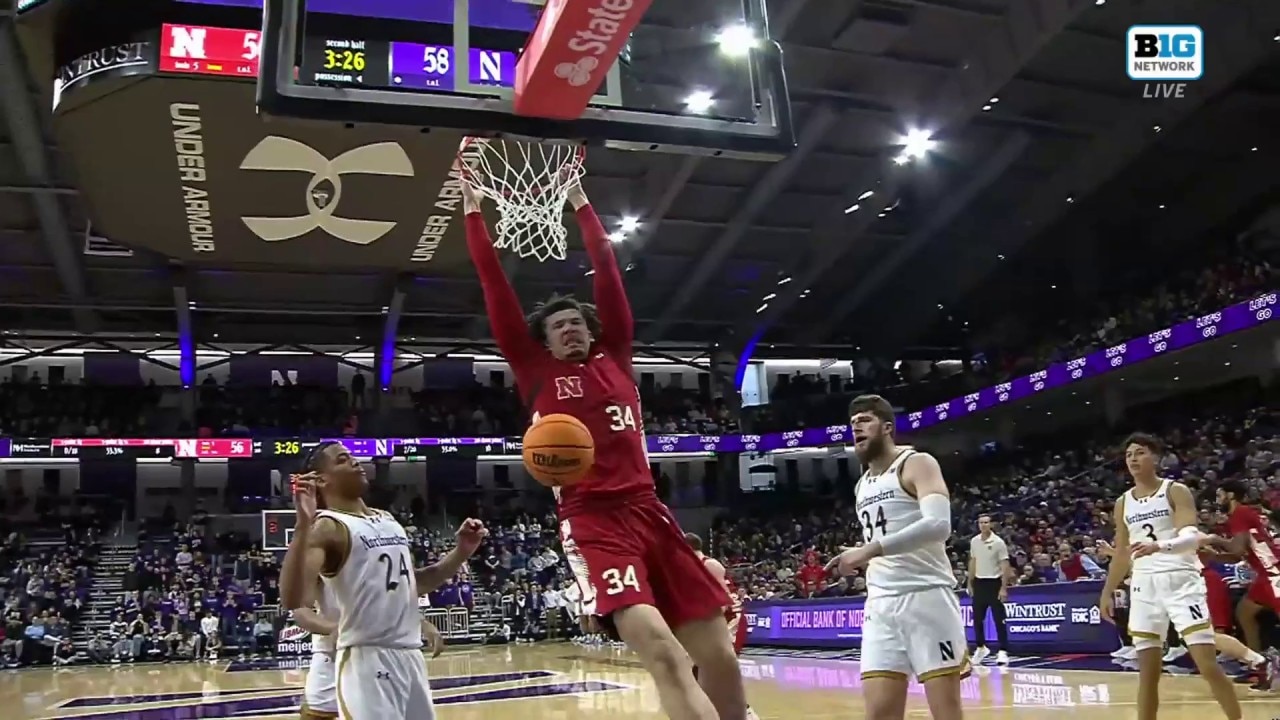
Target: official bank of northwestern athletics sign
[{"x": 1062, "y": 617}]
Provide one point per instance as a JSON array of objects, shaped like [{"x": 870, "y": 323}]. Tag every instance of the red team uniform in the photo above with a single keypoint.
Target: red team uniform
[
  {"x": 623, "y": 544},
  {"x": 737, "y": 628},
  {"x": 1217, "y": 596},
  {"x": 1262, "y": 553}
]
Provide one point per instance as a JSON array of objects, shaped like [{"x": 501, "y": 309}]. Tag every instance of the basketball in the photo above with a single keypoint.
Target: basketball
[{"x": 558, "y": 450}]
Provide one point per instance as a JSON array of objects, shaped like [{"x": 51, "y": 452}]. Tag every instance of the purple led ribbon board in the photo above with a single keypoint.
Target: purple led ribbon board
[{"x": 1235, "y": 318}]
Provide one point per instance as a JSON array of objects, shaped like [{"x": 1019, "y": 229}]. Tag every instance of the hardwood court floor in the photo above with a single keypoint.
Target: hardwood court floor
[{"x": 567, "y": 682}]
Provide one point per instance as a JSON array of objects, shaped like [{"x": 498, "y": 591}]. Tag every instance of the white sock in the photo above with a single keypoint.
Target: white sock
[{"x": 1254, "y": 658}]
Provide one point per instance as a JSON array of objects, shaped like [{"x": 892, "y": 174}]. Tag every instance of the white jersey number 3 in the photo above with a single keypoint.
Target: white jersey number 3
[{"x": 621, "y": 418}]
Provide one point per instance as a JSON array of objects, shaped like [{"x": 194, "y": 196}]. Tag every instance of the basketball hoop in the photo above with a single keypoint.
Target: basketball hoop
[{"x": 530, "y": 184}]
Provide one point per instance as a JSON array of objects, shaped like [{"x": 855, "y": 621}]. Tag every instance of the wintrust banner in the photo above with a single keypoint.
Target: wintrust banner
[
  {"x": 570, "y": 52},
  {"x": 1062, "y": 617}
]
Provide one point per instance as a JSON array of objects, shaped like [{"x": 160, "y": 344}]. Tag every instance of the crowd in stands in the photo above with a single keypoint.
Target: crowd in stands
[
  {"x": 1052, "y": 506},
  {"x": 48, "y": 547},
  {"x": 191, "y": 593}
]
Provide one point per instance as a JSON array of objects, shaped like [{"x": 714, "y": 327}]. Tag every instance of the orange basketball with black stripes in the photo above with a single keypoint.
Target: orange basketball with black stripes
[{"x": 558, "y": 450}]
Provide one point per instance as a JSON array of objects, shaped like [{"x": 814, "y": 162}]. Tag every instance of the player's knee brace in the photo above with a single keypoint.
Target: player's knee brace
[
  {"x": 1199, "y": 636},
  {"x": 1147, "y": 642}
]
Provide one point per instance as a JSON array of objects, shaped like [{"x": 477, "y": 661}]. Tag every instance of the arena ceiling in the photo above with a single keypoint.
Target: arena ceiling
[{"x": 1051, "y": 169}]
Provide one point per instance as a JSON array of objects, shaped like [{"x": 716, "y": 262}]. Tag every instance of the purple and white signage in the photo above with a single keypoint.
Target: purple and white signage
[
  {"x": 432, "y": 67},
  {"x": 1240, "y": 316}
]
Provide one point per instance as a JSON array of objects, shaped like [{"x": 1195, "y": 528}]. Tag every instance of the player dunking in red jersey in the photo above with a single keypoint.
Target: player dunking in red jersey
[
  {"x": 1251, "y": 538},
  {"x": 625, "y": 548}
]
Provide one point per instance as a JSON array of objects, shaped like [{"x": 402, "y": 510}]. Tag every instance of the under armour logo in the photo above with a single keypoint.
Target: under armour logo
[
  {"x": 568, "y": 387},
  {"x": 283, "y": 154},
  {"x": 579, "y": 73},
  {"x": 383, "y": 675}
]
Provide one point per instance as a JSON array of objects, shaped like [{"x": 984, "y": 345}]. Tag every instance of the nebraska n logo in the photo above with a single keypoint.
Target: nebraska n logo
[
  {"x": 568, "y": 387},
  {"x": 283, "y": 154}
]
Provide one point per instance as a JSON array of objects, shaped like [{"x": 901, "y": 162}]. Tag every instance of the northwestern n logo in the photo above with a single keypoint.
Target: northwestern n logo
[
  {"x": 568, "y": 387},
  {"x": 283, "y": 154}
]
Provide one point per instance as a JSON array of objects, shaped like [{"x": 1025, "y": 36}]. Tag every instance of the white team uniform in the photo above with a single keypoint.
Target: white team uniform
[
  {"x": 382, "y": 673},
  {"x": 321, "y": 692},
  {"x": 1165, "y": 587},
  {"x": 911, "y": 622}
]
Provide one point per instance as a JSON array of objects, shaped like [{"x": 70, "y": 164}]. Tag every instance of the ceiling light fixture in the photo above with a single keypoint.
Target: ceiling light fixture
[
  {"x": 629, "y": 224},
  {"x": 985, "y": 108},
  {"x": 762, "y": 308},
  {"x": 994, "y": 100},
  {"x": 617, "y": 236},
  {"x": 866, "y": 195},
  {"x": 736, "y": 40},
  {"x": 852, "y": 209},
  {"x": 699, "y": 101},
  {"x": 785, "y": 280},
  {"x": 916, "y": 143},
  {"x": 769, "y": 297}
]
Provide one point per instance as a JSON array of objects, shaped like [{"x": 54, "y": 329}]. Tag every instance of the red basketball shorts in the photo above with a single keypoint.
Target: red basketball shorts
[
  {"x": 738, "y": 632},
  {"x": 1265, "y": 591},
  {"x": 637, "y": 555},
  {"x": 1218, "y": 598}
]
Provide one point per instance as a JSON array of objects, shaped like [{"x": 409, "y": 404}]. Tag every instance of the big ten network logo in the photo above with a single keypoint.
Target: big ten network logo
[{"x": 1164, "y": 58}]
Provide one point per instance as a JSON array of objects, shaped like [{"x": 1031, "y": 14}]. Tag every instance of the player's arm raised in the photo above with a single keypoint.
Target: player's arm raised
[
  {"x": 317, "y": 548},
  {"x": 922, "y": 477},
  {"x": 609, "y": 293},
  {"x": 470, "y": 535},
  {"x": 319, "y": 545},
  {"x": 1118, "y": 569},
  {"x": 506, "y": 319}
]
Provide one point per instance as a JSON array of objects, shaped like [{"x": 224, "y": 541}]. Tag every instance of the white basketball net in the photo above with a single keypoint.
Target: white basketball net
[{"x": 530, "y": 183}]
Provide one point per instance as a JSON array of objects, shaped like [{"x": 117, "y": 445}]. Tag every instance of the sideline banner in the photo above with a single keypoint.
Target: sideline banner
[
  {"x": 1062, "y": 617},
  {"x": 293, "y": 640}
]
